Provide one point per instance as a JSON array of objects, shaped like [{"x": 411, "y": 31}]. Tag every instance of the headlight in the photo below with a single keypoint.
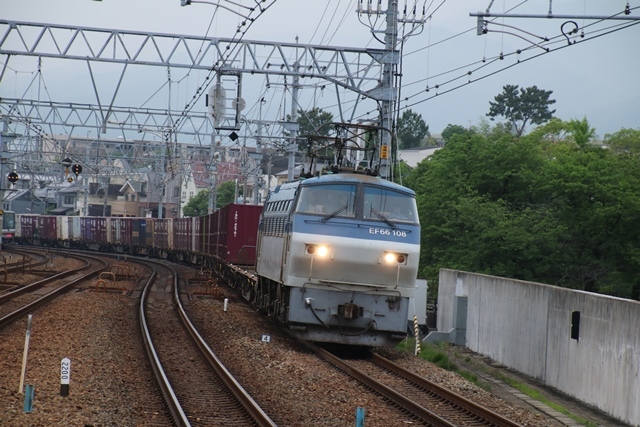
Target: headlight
[
  {"x": 395, "y": 258},
  {"x": 319, "y": 250}
]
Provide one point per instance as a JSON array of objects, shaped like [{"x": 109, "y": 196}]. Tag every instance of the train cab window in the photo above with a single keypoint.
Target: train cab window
[
  {"x": 8, "y": 220},
  {"x": 331, "y": 199},
  {"x": 381, "y": 204}
]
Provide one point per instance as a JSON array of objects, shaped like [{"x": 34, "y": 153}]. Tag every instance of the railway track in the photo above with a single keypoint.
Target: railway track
[
  {"x": 429, "y": 403},
  {"x": 23, "y": 300},
  {"x": 22, "y": 261},
  {"x": 197, "y": 388}
]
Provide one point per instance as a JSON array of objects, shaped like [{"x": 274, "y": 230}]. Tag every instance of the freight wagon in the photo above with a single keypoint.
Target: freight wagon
[{"x": 230, "y": 234}]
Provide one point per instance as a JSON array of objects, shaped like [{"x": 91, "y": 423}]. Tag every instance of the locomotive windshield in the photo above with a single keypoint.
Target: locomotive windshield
[
  {"x": 380, "y": 203},
  {"x": 332, "y": 199},
  {"x": 8, "y": 221},
  {"x": 340, "y": 200}
]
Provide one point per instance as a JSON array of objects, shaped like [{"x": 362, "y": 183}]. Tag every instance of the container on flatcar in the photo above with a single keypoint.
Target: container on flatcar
[
  {"x": 121, "y": 231},
  {"x": 208, "y": 228},
  {"x": 220, "y": 232},
  {"x": 197, "y": 241},
  {"x": 237, "y": 233},
  {"x": 38, "y": 227},
  {"x": 161, "y": 235},
  {"x": 183, "y": 233},
  {"x": 94, "y": 229}
]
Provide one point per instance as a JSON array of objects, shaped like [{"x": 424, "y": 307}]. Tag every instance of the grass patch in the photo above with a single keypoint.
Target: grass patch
[
  {"x": 436, "y": 354},
  {"x": 535, "y": 394}
]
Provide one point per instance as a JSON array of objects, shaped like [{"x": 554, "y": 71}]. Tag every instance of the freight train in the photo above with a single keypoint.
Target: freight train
[{"x": 334, "y": 257}]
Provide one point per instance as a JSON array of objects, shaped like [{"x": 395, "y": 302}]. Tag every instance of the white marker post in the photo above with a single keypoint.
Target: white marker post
[
  {"x": 26, "y": 350},
  {"x": 65, "y": 376}
]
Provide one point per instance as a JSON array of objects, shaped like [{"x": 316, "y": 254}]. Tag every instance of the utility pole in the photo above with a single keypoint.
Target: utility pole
[
  {"x": 85, "y": 179},
  {"x": 390, "y": 60},
  {"x": 2, "y": 160},
  {"x": 259, "y": 158},
  {"x": 293, "y": 146}
]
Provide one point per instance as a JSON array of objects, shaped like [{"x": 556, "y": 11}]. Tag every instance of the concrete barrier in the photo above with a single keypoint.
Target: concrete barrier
[{"x": 586, "y": 345}]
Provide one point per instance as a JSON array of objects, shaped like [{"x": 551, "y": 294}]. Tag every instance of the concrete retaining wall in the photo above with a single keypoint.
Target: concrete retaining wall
[{"x": 527, "y": 326}]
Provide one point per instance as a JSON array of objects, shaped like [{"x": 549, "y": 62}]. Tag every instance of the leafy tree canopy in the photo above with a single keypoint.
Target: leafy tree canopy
[
  {"x": 451, "y": 130},
  {"x": 227, "y": 192},
  {"x": 198, "y": 205},
  {"x": 625, "y": 141},
  {"x": 314, "y": 122},
  {"x": 581, "y": 132},
  {"x": 411, "y": 129},
  {"x": 530, "y": 105},
  {"x": 531, "y": 209}
]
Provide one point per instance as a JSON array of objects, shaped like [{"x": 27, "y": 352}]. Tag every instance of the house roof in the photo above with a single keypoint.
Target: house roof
[
  {"x": 13, "y": 195},
  {"x": 73, "y": 188},
  {"x": 413, "y": 156},
  {"x": 27, "y": 194},
  {"x": 61, "y": 210},
  {"x": 127, "y": 185}
]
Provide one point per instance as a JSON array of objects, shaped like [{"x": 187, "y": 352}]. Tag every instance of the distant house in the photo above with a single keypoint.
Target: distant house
[
  {"x": 23, "y": 201},
  {"x": 67, "y": 199}
]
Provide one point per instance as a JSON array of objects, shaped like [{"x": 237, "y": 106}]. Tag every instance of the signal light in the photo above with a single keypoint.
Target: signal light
[
  {"x": 77, "y": 169},
  {"x": 13, "y": 177}
]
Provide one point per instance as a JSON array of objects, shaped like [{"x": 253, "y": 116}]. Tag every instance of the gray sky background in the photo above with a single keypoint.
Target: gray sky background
[{"x": 597, "y": 78}]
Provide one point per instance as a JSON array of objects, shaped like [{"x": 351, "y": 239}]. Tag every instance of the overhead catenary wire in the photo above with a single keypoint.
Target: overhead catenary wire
[
  {"x": 558, "y": 39},
  {"x": 470, "y": 81}
]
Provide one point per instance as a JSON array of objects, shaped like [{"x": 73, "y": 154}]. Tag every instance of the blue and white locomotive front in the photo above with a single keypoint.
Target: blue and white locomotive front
[{"x": 351, "y": 260}]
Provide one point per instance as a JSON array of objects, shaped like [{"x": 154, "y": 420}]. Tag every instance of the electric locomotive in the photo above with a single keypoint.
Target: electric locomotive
[
  {"x": 337, "y": 258},
  {"x": 8, "y": 226}
]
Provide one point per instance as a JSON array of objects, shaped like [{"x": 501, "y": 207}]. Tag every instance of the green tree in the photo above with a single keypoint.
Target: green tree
[
  {"x": 625, "y": 141},
  {"x": 581, "y": 131},
  {"x": 494, "y": 132},
  {"x": 226, "y": 193},
  {"x": 451, "y": 130},
  {"x": 411, "y": 129},
  {"x": 401, "y": 172},
  {"x": 533, "y": 210},
  {"x": 198, "y": 205},
  {"x": 314, "y": 122},
  {"x": 521, "y": 107}
]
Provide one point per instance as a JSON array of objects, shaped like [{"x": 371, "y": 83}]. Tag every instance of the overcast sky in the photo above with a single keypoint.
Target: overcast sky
[{"x": 597, "y": 78}]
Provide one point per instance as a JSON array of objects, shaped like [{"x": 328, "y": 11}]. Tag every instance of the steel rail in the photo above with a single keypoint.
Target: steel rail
[
  {"x": 247, "y": 402},
  {"x": 10, "y": 295},
  {"x": 472, "y": 407},
  {"x": 25, "y": 309},
  {"x": 170, "y": 398},
  {"x": 395, "y": 397},
  {"x": 250, "y": 405}
]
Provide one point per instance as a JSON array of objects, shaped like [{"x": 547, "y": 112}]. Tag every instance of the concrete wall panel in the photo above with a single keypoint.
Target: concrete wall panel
[{"x": 527, "y": 326}]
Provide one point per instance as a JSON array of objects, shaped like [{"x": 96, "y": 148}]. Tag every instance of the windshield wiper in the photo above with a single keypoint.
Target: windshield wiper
[
  {"x": 334, "y": 213},
  {"x": 384, "y": 218}
]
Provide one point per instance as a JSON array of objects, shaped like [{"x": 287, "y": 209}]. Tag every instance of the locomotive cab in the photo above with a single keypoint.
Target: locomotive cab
[{"x": 349, "y": 254}]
